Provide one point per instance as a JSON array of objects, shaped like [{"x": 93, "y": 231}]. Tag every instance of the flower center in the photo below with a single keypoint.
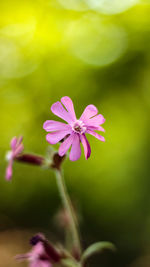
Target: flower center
[
  {"x": 9, "y": 155},
  {"x": 79, "y": 127}
]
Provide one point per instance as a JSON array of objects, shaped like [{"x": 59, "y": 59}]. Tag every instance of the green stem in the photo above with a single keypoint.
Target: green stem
[{"x": 68, "y": 206}]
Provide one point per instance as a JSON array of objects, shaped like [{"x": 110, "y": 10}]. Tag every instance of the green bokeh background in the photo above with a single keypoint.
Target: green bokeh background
[{"x": 96, "y": 55}]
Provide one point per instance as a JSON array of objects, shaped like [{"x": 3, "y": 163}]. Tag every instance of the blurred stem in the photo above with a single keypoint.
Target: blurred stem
[{"x": 68, "y": 206}]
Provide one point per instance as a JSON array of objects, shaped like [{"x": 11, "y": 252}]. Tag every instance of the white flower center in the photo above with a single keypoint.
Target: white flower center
[
  {"x": 9, "y": 155},
  {"x": 79, "y": 127}
]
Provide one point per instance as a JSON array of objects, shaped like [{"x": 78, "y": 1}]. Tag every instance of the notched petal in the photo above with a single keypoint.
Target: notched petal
[
  {"x": 51, "y": 126},
  {"x": 59, "y": 111},
  {"x": 75, "y": 152},
  {"x": 98, "y": 136},
  {"x": 89, "y": 112},
  {"x": 67, "y": 102}
]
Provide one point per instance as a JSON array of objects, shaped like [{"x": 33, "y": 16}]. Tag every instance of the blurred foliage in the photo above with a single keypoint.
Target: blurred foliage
[{"x": 96, "y": 52}]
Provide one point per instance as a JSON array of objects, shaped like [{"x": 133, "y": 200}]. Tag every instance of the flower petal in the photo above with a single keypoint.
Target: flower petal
[
  {"x": 19, "y": 141},
  {"x": 86, "y": 146},
  {"x": 75, "y": 152},
  {"x": 18, "y": 150},
  {"x": 66, "y": 145},
  {"x": 22, "y": 257},
  {"x": 96, "y": 128},
  {"x": 59, "y": 111},
  {"x": 95, "y": 121},
  {"x": 13, "y": 143},
  {"x": 35, "y": 263},
  {"x": 51, "y": 126},
  {"x": 55, "y": 137},
  {"x": 89, "y": 112},
  {"x": 40, "y": 263},
  {"x": 9, "y": 171},
  {"x": 98, "y": 136},
  {"x": 67, "y": 102},
  {"x": 44, "y": 264}
]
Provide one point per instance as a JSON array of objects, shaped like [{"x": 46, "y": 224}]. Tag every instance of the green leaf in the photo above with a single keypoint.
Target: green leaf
[{"x": 97, "y": 248}]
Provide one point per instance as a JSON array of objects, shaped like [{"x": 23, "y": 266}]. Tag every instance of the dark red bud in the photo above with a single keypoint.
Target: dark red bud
[
  {"x": 50, "y": 250},
  {"x": 57, "y": 161},
  {"x": 31, "y": 159}
]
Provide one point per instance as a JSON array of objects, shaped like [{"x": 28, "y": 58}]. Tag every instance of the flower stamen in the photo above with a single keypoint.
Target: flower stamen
[{"x": 78, "y": 127}]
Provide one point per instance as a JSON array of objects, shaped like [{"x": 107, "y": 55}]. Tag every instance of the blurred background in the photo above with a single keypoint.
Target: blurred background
[{"x": 97, "y": 52}]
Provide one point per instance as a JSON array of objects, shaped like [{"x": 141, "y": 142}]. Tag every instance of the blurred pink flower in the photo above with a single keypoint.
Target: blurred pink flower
[
  {"x": 36, "y": 257},
  {"x": 74, "y": 132},
  {"x": 42, "y": 254},
  {"x": 16, "y": 149}
]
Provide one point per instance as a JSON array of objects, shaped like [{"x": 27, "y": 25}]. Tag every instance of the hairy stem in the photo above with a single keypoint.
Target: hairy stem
[{"x": 68, "y": 206}]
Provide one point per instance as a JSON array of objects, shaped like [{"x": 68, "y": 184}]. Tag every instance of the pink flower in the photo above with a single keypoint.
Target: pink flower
[
  {"x": 42, "y": 254},
  {"x": 74, "y": 132},
  {"x": 36, "y": 257},
  {"x": 16, "y": 149}
]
